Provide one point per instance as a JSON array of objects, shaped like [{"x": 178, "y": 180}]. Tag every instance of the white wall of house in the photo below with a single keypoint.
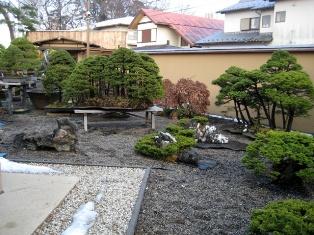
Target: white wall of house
[
  {"x": 272, "y": 21},
  {"x": 160, "y": 35},
  {"x": 299, "y": 25},
  {"x": 297, "y": 29},
  {"x": 232, "y": 20}
]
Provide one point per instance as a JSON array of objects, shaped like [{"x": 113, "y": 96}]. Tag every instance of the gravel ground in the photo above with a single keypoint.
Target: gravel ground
[
  {"x": 179, "y": 199},
  {"x": 119, "y": 187}
]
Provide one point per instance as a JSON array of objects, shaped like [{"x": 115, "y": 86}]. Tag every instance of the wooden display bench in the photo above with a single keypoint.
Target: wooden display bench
[{"x": 128, "y": 111}]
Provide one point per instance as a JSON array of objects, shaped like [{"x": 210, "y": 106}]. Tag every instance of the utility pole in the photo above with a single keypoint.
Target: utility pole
[{"x": 88, "y": 15}]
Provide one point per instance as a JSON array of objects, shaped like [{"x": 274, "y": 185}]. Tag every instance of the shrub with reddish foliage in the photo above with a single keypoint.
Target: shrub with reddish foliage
[{"x": 187, "y": 94}]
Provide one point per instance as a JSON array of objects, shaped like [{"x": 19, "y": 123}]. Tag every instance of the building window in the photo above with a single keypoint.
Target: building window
[
  {"x": 132, "y": 35},
  {"x": 184, "y": 43},
  {"x": 250, "y": 24},
  {"x": 254, "y": 23},
  {"x": 266, "y": 21},
  {"x": 147, "y": 35},
  {"x": 245, "y": 24},
  {"x": 280, "y": 16}
]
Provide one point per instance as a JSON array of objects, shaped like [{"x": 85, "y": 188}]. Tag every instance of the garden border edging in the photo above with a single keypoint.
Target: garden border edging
[{"x": 138, "y": 204}]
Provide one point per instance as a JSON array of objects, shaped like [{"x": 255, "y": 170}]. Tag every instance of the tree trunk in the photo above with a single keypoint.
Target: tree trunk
[
  {"x": 241, "y": 113},
  {"x": 283, "y": 116},
  {"x": 290, "y": 120},
  {"x": 273, "y": 117},
  {"x": 8, "y": 22},
  {"x": 248, "y": 115},
  {"x": 236, "y": 111},
  {"x": 265, "y": 109}
]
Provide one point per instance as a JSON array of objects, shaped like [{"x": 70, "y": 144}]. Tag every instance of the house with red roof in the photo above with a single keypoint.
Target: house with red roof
[{"x": 157, "y": 28}]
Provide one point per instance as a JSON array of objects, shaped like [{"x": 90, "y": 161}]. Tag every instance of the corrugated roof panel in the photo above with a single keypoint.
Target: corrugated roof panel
[{"x": 249, "y": 5}]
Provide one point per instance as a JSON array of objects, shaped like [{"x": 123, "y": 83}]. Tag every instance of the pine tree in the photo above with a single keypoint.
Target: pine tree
[
  {"x": 21, "y": 55},
  {"x": 61, "y": 64}
]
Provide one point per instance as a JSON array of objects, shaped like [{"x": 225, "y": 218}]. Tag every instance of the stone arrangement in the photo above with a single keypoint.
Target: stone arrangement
[
  {"x": 209, "y": 134},
  {"x": 64, "y": 138},
  {"x": 164, "y": 138}
]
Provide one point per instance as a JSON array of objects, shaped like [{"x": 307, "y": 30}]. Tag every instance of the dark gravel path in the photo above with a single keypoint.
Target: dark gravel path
[{"x": 179, "y": 199}]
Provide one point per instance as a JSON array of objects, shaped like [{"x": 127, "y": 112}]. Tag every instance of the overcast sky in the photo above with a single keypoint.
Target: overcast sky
[{"x": 194, "y": 7}]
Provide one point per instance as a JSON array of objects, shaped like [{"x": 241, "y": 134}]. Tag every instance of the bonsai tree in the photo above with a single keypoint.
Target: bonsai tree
[
  {"x": 193, "y": 96},
  {"x": 293, "y": 92},
  {"x": 279, "y": 86},
  {"x": 284, "y": 217},
  {"x": 20, "y": 56},
  {"x": 61, "y": 64},
  {"x": 234, "y": 87},
  {"x": 282, "y": 156},
  {"x": 133, "y": 75},
  {"x": 87, "y": 79},
  {"x": 187, "y": 97},
  {"x": 124, "y": 79}
]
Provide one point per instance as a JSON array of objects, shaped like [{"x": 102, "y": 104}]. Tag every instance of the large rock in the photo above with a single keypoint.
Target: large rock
[
  {"x": 164, "y": 138},
  {"x": 189, "y": 157},
  {"x": 64, "y": 138}
]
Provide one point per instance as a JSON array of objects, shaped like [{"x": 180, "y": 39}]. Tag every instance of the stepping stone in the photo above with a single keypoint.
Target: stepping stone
[
  {"x": 29, "y": 199},
  {"x": 206, "y": 164},
  {"x": 235, "y": 131},
  {"x": 249, "y": 135}
]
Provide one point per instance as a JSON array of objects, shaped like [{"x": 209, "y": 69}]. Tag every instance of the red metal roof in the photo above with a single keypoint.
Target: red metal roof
[{"x": 191, "y": 28}]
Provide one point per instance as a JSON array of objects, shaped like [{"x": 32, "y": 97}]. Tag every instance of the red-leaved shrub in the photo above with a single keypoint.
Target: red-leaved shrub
[{"x": 187, "y": 94}]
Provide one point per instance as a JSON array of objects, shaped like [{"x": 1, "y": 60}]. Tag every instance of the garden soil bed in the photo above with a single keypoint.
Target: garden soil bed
[{"x": 179, "y": 199}]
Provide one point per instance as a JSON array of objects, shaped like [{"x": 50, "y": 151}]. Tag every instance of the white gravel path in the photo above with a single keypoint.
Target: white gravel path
[{"x": 113, "y": 190}]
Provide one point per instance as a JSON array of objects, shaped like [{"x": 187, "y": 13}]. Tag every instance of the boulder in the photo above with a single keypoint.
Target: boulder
[
  {"x": 164, "y": 138},
  {"x": 64, "y": 138},
  {"x": 189, "y": 157}
]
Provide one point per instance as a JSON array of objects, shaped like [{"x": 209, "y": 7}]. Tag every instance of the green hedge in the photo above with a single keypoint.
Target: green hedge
[
  {"x": 178, "y": 130},
  {"x": 148, "y": 147},
  {"x": 283, "y": 156},
  {"x": 288, "y": 217}
]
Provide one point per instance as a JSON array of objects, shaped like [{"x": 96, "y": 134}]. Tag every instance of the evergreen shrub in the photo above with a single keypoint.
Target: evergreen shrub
[{"x": 286, "y": 217}]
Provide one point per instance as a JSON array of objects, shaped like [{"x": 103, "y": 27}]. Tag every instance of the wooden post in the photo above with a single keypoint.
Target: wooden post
[
  {"x": 23, "y": 99},
  {"x": 85, "y": 121},
  {"x": 9, "y": 100},
  {"x": 146, "y": 117},
  {"x": 153, "y": 121}
]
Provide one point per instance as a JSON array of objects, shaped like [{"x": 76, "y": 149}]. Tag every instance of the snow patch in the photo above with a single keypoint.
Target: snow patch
[
  {"x": 14, "y": 167},
  {"x": 225, "y": 118},
  {"x": 99, "y": 197},
  {"x": 83, "y": 220}
]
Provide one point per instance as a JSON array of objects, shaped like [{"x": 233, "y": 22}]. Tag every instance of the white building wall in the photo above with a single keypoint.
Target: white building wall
[
  {"x": 272, "y": 21},
  {"x": 163, "y": 36},
  {"x": 299, "y": 25},
  {"x": 232, "y": 20}
]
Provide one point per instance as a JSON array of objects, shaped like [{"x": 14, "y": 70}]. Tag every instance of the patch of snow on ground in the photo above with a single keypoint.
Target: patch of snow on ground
[
  {"x": 83, "y": 220},
  {"x": 99, "y": 197},
  {"x": 14, "y": 167},
  {"x": 223, "y": 117}
]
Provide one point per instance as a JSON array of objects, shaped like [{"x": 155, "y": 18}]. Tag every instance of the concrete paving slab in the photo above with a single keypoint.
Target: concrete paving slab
[{"x": 28, "y": 200}]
